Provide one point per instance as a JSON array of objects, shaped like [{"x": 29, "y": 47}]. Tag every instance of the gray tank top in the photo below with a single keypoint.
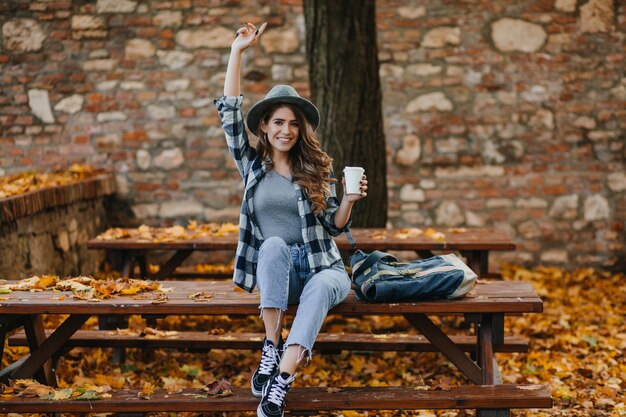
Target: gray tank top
[{"x": 276, "y": 208}]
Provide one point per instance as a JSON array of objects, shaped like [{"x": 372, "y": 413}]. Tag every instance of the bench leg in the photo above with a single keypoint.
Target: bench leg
[
  {"x": 424, "y": 254},
  {"x": 8, "y": 324},
  {"x": 166, "y": 269},
  {"x": 113, "y": 323},
  {"x": 143, "y": 266},
  {"x": 42, "y": 348},
  {"x": 128, "y": 264},
  {"x": 127, "y": 269},
  {"x": 438, "y": 338},
  {"x": 151, "y": 319},
  {"x": 486, "y": 357},
  {"x": 36, "y": 335},
  {"x": 490, "y": 332},
  {"x": 478, "y": 261},
  {"x": 114, "y": 259},
  {"x": 6, "y": 372}
]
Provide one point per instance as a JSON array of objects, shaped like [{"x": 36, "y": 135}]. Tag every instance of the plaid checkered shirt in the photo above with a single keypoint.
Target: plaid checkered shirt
[{"x": 317, "y": 229}]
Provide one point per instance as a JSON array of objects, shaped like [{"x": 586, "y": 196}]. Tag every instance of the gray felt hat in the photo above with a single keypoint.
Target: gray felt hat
[{"x": 282, "y": 94}]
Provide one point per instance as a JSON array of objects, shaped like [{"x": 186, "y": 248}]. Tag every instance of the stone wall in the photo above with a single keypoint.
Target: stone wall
[
  {"x": 508, "y": 113},
  {"x": 48, "y": 235}
]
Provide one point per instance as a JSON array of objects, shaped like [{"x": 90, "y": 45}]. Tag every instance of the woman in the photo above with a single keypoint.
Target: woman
[{"x": 288, "y": 214}]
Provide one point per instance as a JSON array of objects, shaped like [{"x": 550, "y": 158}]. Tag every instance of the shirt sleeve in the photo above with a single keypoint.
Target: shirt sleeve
[
  {"x": 231, "y": 115},
  {"x": 327, "y": 217}
]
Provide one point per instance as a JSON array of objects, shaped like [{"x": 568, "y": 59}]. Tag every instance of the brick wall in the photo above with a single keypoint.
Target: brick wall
[{"x": 507, "y": 113}]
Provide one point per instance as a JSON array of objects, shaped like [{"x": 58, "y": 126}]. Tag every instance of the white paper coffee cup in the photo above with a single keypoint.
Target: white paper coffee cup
[{"x": 353, "y": 179}]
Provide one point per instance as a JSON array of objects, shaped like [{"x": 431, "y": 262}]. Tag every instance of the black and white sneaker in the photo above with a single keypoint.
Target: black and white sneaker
[
  {"x": 270, "y": 359},
  {"x": 273, "y": 402}
]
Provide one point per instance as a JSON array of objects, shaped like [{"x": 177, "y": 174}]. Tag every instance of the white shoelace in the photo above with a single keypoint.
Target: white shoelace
[
  {"x": 268, "y": 360},
  {"x": 279, "y": 390}
]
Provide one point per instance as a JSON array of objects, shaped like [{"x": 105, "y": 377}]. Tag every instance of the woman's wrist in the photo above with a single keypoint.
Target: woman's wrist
[
  {"x": 236, "y": 50},
  {"x": 346, "y": 201}
]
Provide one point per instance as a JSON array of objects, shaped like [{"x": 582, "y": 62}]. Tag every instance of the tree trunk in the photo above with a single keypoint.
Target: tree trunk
[{"x": 345, "y": 84}]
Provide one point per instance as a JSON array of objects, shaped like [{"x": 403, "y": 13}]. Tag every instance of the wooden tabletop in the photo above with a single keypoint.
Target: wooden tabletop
[
  {"x": 453, "y": 239},
  {"x": 486, "y": 297},
  {"x": 300, "y": 398},
  {"x": 366, "y": 239}
]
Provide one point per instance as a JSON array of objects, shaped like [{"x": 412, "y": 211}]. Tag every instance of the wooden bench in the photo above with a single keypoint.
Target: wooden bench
[
  {"x": 131, "y": 254},
  {"x": 474, "y": 244},
  {"x": 485, "y": 307},
  {"x": 488, "y": 399},
  {"x": 325, "y": 343}
]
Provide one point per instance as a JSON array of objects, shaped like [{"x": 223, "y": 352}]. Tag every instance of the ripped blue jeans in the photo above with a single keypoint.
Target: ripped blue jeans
[{"x": 283, "y": 277}]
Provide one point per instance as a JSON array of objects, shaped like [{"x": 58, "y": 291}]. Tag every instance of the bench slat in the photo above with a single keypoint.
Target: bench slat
[
  {"x": 324, "y": 342},
  {"x": 367, "y": 239},
  {"x": 302, "y": 399},
  {"x": 493, "y": 297}
]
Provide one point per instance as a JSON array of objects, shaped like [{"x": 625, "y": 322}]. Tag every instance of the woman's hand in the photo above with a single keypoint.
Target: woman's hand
[
  {"x": 355, "y": 197},
  {"x": 247, "y": 36},
  {"x": 342, "y": 215}
]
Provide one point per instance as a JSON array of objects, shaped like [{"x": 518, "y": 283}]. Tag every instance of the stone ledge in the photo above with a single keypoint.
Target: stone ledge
[{"x": 24, "y": 205}]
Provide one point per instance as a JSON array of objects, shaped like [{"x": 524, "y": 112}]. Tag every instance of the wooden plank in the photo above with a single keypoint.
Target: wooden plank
[
  {"x": 498, "y": 297},
  {"x": 478, "y": 239},
  {"x": 203, "y": 244},
  {"x": 472, "y": 239},
  {"x": 301, "y": 399},
  {"x": 324, "y": 342}
]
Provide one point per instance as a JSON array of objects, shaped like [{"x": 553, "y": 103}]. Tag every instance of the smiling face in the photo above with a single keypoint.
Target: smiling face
[{"x": 282, "y": 131}]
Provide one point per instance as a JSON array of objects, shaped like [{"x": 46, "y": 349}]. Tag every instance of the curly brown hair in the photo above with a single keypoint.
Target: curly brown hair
[{"x": 311, "y": 167}]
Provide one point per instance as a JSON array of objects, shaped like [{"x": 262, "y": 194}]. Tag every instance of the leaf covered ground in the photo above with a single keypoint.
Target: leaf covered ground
[{"x": 576, "y": 348}]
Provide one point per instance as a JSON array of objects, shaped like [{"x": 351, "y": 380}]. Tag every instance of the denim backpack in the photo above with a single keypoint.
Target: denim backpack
[{"x": 378, "y": 276}]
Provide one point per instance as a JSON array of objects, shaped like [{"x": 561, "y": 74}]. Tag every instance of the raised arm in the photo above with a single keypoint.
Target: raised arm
[
  {"x": 229, "y": 106},
  {"x": 247, "y": 36}
]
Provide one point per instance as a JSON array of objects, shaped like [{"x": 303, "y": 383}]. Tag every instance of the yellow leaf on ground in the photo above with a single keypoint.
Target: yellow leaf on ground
[{"x": 147, "y": 390}]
